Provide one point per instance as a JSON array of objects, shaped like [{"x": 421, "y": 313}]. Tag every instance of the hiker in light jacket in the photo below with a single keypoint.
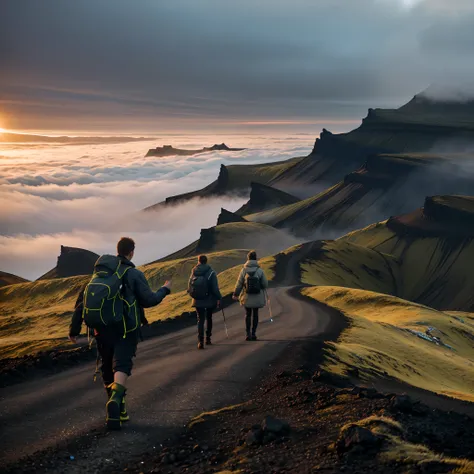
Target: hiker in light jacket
[
  {"x": 203, "y": 287},
  {"x": 250, "y": 289}
]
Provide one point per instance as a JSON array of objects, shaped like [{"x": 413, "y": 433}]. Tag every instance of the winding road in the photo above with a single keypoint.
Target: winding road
[{"x": 172, "y": 381}]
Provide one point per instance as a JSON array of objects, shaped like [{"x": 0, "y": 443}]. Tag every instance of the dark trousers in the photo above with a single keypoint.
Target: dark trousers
[
  {"x": 116, "y": 353},
  {"x": 202, "y": 315},
  {"x": 248, "y": 320}
]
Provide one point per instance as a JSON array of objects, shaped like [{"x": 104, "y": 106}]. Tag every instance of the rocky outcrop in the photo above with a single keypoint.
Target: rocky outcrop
[
  {"x": 264, "y": 197},
  {"x": 441, "y": 216},
  {"x": 10, "y": 279},
  {"x": 216, "y": 188},
  {"x": 226, "y": 217},
  {"x": 72, "y": 262}
]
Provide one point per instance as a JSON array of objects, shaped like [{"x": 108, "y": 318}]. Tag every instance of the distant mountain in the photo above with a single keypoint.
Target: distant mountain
[
  {"x": 168, "y": 150},
  {"x": 384, "y": 185},
  {"x": 10, "y": 279},
  {"x": 72, "y": 262},
  {"x": 8, "y": 137},
  {"x": 420, "y": 126},
  {"x": 233, "y": 180},
  {"x": 264, "y": 197}
]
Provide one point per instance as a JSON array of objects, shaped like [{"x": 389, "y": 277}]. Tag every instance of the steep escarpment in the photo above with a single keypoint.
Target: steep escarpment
[
  {"x": 232, "y": 180},
  {"x": 216, "y": 188},
  {"x": 435, "y": 248},
  {"x": 386, "y": 184},
  {"x": 10, "y": 279},
  {"x": 264, "y": 197},
  {"x": 421, "y": 125},
  {"x": 333, "y": 155},
  {"x": 441, "y": 216},
  {"x": 72, "y": 262}
]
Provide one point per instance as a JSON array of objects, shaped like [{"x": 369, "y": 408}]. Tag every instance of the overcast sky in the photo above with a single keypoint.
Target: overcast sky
[{"x": 171, "y": 64}]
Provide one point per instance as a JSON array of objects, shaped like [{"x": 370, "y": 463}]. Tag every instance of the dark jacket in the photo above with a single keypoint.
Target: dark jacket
[
  {"x": 258, "y": 300},
  {"x": 214, "y": 293},
  {"x": 136, "y": 289}
]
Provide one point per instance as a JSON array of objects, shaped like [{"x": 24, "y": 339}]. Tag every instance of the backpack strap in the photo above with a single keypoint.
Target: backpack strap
[{"x": 210, "y": 274}]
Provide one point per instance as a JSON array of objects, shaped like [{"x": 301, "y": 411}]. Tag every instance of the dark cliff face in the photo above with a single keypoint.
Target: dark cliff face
[
  {"x": 227, "y": 217},
  {"x": 72, "y": 262},
  {"x": 450, "y": 217},
  {"x": 206, "y": 241},
  {"x": 265, "y": 197}
]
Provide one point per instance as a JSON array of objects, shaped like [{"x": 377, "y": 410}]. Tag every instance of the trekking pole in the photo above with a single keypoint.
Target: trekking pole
[
  {"x": 225, "y": 324},
  {"x": 269, "y": 306}
]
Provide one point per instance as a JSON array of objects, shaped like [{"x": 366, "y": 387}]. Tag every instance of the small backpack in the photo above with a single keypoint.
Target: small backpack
[
  {"x": 103, "y": 302},
  {"x": 252, "y": 283},
  {"x": 200, "y": 286}
]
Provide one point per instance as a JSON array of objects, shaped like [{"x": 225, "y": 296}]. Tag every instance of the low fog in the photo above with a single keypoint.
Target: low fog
[{"x": 88, "y": 196}]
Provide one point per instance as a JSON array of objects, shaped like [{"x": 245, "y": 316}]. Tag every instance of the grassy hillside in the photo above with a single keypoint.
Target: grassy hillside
[
  {"x": 388, "y": 336},
  {"x": 10, "y": 279},
  {"x": 385, "y": 185},
  {"x": 236, "y": 235},
  {"x": 234, "y": 179},
  {"x": 435, "y": 248},
  {"x": 345, "y": 264},
  {"x": 35, "y": 316}
]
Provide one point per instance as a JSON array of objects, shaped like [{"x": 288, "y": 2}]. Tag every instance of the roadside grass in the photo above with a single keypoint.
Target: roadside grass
[
  {"x": 395, "y": 449},
  {"x": 35, "y": 316},
  {"x": 435, "y": 271},
  {"x": 386, "y": 338}
]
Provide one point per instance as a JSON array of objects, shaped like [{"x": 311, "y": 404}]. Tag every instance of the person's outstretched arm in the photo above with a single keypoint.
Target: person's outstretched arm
[
  {"x": 143, "y": 293},
  {"x": 76, "y": 321}
]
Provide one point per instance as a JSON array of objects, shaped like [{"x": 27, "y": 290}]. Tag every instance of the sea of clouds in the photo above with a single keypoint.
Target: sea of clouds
[{"x": 88, "y": 196}]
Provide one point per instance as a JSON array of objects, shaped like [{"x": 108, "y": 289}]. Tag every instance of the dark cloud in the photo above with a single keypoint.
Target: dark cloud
[{"x": 212, "y": 59}]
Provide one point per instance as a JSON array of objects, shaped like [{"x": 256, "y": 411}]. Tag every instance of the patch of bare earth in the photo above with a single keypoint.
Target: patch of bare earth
[{"x": 302, "y": 422}]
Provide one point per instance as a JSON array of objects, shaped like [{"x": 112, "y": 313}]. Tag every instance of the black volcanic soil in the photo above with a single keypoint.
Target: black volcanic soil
[
  {"x": 316, "y": 405},
  {"x": 72, "y": 262}
]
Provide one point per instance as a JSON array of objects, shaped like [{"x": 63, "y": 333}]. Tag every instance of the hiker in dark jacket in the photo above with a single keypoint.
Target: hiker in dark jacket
[
  {"x": 251, "y": 299},
  {"x": 117, "y": 343},
  {"x": 204, "y": 289}
]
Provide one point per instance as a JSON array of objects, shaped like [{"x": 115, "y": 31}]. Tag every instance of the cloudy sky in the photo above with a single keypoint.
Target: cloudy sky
[
  {"x": 87, "y": 196},
  {"x": 197, "y": 64}
]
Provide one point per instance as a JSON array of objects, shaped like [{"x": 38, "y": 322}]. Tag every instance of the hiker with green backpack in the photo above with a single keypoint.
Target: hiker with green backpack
[
  {"x": 203, "y": 288},
  {"x": 250, "y": 289},
  {"x": 111, "y": 305}
]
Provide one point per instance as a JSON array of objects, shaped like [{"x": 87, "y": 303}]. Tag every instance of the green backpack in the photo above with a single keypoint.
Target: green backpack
[{"x": 103, "y": 301}]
